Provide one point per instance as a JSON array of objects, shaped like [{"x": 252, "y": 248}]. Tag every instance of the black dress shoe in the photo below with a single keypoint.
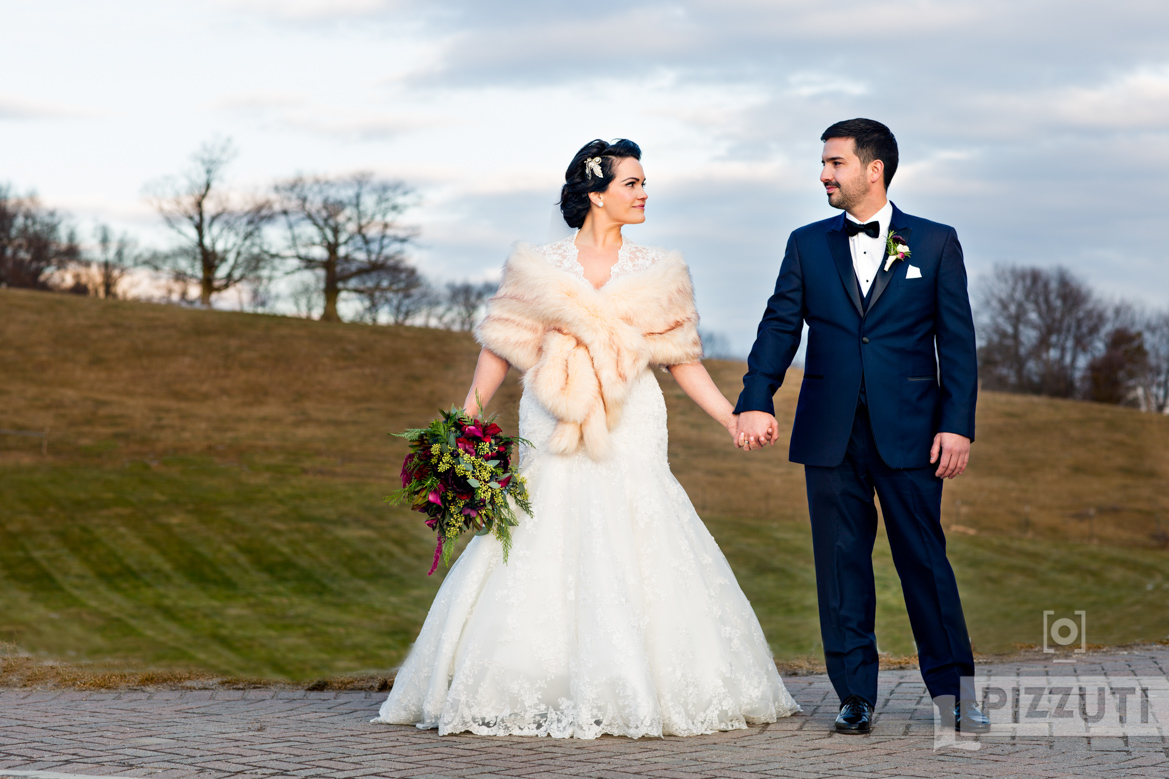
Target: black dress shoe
[
  {"x": 969, "y": 719},
  {"x": 856, "y": 716}
]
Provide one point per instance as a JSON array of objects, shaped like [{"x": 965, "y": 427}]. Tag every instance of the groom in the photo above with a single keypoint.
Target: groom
[{"x": 882, "y": 293}]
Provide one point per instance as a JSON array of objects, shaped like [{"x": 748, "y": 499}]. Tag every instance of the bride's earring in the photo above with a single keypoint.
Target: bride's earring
[{"x": 600, "y": 203}]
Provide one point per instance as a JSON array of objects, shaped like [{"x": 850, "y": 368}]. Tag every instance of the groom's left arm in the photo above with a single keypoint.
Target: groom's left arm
[{"x": 957, "y": 350}]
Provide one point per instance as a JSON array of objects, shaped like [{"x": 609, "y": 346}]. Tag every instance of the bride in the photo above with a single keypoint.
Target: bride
[{"x": 616, "y": 612}]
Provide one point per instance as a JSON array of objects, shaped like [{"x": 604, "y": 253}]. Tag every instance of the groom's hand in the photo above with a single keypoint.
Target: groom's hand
[
  {"x": 951, "y": 452},
  {"x": 756, "y": 429}
]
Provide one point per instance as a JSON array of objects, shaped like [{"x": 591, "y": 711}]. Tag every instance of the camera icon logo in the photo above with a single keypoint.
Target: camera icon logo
[{"x": 1064, "y": 632}]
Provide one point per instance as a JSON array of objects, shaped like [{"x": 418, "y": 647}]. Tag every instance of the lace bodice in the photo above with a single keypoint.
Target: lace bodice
[{"x": 630, "y": 257}]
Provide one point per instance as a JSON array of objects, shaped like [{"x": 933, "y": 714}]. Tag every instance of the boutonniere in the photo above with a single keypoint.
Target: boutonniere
[{"x": 895, "y": 249}]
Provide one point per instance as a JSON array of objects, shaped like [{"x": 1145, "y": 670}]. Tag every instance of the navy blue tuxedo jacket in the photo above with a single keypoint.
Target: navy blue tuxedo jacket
[{"x": 913, "y": 344}]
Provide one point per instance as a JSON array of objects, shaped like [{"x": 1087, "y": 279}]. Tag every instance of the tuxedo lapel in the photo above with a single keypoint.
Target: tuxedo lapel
[
  {"x": 842, "y": 256},
  {"x": 896, "y": 226}
]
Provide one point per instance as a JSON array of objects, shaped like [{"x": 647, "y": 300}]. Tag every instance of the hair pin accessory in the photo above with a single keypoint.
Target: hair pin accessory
[{"x": 593, "y": 167}]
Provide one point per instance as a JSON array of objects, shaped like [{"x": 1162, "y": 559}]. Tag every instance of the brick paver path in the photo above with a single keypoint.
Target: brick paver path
[{"x": 264, "y": 733}]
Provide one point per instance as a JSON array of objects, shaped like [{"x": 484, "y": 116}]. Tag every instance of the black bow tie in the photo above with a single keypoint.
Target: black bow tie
[{"x": 871, "y": 229}]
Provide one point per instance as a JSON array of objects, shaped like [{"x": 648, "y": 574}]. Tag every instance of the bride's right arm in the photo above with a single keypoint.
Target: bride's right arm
[{"x": 489, "y": 374}]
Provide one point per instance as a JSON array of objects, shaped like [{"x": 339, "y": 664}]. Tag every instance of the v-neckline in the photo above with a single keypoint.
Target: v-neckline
[{"x": 580, "y": 268}]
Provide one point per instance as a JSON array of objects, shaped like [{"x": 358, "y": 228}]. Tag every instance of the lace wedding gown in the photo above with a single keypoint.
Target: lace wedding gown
[{"x": 616, "y": 611}]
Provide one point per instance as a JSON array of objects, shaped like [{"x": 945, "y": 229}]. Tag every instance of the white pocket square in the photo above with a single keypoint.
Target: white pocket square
[{"x": 913, "y": 272}]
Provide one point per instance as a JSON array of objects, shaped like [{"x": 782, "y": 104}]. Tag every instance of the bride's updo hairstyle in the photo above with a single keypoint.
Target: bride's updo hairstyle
[{"x": 574, "y": 195}]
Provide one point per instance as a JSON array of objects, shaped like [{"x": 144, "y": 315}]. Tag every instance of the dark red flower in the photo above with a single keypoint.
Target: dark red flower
[
  {"x": 437, "y": 557},
  {"x": 406, "y": 470}
]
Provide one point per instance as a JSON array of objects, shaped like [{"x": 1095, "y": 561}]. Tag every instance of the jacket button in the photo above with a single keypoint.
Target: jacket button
[{"x": 864, "y": 340}]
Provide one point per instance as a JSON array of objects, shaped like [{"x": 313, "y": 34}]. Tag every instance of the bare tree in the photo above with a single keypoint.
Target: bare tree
[
  {"x": 1116, "y": 374},
  {"x": 464, "y": 299},
  {"x": 396, "y": 291},
  {"x": 1039, "y": 328},
  {"x": 1156, "y": 384},
  {"x": 34, "y": 242},
  {"x": 114, "y": 257},
  {"x": 259, "y": 295},
  {"x": 716, "y": 346},
  {"x": 1005, "y": 322},
  {"x": 1071, "y": 322},
  {"x": 305, "y": 295},
  {"x": 221, "y": 234},
  {"x": 415, "y": 305},
  {"x": 345, "y": 229}
]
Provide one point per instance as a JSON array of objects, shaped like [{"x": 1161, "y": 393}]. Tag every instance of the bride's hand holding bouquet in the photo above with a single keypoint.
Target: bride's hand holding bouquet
[{"x": 461, "y": 473}]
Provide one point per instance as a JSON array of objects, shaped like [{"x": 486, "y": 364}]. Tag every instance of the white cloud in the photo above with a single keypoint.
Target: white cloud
[
  {"x": 1136, "y": 100},
  {"x": 257, "y": 101},
  {"x": 812, "y": 84},
  {"x": 15, "y": 108},
  {"x": 312, "y": 10}
]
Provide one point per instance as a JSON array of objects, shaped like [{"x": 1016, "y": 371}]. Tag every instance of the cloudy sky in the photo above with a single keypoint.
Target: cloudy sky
[{"x": 1040, "y": 129}]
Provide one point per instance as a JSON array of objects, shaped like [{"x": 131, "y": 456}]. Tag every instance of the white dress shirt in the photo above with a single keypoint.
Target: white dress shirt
[{"x": 868, "y": 253}]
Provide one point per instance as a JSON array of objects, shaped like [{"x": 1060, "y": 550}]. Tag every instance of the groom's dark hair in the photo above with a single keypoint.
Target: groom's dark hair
[{"x": 874, "y": 141}]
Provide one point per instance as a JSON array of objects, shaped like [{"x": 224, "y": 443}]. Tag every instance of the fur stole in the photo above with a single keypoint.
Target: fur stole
[{"x": 581, "y": 348}]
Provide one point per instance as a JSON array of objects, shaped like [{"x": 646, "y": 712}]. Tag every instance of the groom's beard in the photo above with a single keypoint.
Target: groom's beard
[{"x": 845, "y": 197}]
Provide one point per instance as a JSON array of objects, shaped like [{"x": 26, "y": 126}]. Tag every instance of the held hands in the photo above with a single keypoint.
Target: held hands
[
  {"x": 951, "y": 452},
  {"x": 754, "y": 430}
]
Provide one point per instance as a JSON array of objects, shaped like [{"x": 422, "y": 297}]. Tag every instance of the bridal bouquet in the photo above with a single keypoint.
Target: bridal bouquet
[{"x": 459, "y": 474}]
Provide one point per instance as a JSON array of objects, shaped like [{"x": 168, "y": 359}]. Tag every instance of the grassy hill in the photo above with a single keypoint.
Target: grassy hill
[{"x": 211, "y": 497}]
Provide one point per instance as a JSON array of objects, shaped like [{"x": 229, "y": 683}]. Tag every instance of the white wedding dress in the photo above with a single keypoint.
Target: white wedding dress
[{"x": 616, "y": 611}]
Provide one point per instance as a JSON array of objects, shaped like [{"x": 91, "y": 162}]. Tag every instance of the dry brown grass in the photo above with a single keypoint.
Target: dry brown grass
[
  {"x": 1062, "y": 498},
  {"x": 157, "y": 380},
  {"x": 160, "y": 379}
]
